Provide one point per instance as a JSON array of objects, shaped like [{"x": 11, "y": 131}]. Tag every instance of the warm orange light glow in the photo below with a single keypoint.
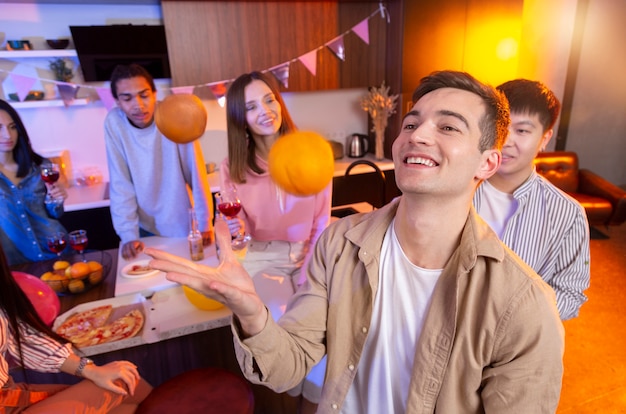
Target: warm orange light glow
[
  {"x": 491, "y": 51},
  {"x": 507, "y": 48}
]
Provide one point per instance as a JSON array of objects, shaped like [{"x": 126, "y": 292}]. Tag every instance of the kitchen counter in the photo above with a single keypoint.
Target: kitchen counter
[
  {"x": 96, "y": 196},
  {"x": 86, "y": 197}
]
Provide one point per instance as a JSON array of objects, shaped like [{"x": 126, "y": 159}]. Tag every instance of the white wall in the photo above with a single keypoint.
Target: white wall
[
  {"x": 79, "y": 129},
  {"x": 598, "y": 120}
]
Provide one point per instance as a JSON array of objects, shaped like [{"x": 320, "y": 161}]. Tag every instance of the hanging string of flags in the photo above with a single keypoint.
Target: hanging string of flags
[{"x": 69, "y": 91}]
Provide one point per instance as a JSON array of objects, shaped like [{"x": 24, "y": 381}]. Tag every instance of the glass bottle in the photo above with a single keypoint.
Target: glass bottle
[{"x": 196, "y": 249}]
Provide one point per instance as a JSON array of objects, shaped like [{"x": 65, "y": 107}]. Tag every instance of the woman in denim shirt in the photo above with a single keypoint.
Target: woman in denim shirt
[{"x": 27, "y": 219}]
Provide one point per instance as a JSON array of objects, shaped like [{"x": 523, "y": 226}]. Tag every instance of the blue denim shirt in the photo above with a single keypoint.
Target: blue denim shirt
[{"x": 27, "y": 219}]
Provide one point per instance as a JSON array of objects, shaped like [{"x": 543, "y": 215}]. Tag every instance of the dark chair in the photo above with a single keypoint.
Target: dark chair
[
  {"x": 604, "y": 202},
  {"x": 359, "y": 189},
  {"x": 204, "y": 390}
]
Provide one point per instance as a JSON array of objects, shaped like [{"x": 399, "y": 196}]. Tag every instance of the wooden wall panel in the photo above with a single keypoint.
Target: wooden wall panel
[{"x": 212, "y": 41}]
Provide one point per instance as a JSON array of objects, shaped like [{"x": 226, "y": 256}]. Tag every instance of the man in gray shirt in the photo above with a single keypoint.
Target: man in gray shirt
[{"x": 152, "y": 178}]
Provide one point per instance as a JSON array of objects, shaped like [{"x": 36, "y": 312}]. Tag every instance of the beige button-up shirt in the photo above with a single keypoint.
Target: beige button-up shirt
[{"x": 492, "y": 340}]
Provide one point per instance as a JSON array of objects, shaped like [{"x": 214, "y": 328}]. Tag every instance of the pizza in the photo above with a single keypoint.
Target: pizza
[
  {"x": 82, "y": 323},
  {"x": 123, "y": 327},
  {"x": 139, "y": 270}
]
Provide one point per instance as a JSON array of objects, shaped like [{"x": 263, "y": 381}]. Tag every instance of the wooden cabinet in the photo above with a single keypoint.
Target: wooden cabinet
[{"x": 218, "y": 41}]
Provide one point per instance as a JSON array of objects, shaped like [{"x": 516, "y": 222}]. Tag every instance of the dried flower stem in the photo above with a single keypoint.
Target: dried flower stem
[{"x": 380, "y": 106}]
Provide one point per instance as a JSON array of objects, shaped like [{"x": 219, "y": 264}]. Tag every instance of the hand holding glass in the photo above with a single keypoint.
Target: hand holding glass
[
  {"x": 229, "y": 205},
  {"x": 78, "y": 241},
  {"x": 50, "y": 173}
]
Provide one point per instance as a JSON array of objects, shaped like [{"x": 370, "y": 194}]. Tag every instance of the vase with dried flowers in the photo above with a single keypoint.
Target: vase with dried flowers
[{"x": 380, "y": 106}]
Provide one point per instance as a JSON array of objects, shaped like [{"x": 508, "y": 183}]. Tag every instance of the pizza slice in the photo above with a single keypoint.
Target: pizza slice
[
  {"x": 124, "y": 327},
  {"x": 82, "y": 323},
  {"x": 139, "y": 270}
]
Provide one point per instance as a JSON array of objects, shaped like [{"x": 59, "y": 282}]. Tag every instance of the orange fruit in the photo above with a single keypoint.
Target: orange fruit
[
  {"x": 301, "y": 163},
  {"x": 76, "y": 286},
  {"x": 79, "y": 270},
  {"x": 60, "y": 265},
  {"x": 95, "y": 276},
  {"x": 181, "y": 117},
  {"x": 57, "y": 282},
  {"x": 93, "y": 265}
]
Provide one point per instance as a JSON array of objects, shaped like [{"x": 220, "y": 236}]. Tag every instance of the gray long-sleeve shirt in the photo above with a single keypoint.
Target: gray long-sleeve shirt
[{"x": 149, "y": 177}]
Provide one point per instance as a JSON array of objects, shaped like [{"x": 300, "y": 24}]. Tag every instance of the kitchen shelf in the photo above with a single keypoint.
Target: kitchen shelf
[
  {"x": 20, "y": 54},
  {"x": 47, "y": 103}
]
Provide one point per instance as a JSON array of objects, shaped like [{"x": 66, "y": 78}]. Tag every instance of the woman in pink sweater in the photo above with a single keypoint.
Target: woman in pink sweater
[{"x": 284, "y": 227}]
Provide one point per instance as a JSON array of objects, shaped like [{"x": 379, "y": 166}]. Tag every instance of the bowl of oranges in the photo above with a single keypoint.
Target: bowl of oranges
[{"x": 76, "y": 274}]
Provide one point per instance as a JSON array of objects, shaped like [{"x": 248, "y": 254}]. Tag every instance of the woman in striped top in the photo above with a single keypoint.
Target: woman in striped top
[{"x": 26, "y": 340}]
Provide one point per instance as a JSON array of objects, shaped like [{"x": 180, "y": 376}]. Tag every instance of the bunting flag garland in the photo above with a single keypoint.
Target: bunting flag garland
[
  {"x": 106, "y": 97},
  {"x": 69, "y": 91},
  {"x": 182, "y": 89},
  {"x": 219, "y": 91},
  {"x": 281, "y": 73},
  {"x": 309, "y": 60},
  {"x": 363, "y": 31},
  {"x": 23, "y": 84},
  {"x": 336, "y": 45}
]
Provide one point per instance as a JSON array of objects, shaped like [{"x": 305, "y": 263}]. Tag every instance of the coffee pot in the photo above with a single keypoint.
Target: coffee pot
[{"x": 357, "y": 145}]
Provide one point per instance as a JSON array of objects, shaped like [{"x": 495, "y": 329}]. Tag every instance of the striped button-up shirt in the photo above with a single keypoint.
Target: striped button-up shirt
[
  {"x": 549, "y": 231},
  {"x": 40, "y": 352}
]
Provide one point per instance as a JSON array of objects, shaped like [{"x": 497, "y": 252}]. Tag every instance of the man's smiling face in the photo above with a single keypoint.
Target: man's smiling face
[{"x": 437, "y": 150}]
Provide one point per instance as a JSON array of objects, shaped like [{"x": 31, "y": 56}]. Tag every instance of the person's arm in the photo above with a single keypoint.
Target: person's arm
[
  {"x": 106, "y": 376},
  {"x": 572, "y": 273},
  {"x": 527, "y": 368},
  {"x": 194, "y": 171},
  {"x": 122, "y": 191}
]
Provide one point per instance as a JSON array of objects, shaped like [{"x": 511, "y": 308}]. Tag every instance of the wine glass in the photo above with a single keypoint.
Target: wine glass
[
  {"x": 78, "y": 241},
  {"x": 56, "y": 242},
  {"x": 229, "y": 205},
  {"x": 50, "y": 173}
]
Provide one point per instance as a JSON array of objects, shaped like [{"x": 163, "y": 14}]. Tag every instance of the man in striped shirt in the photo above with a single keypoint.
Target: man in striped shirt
[{"x": 544, "y": 226}]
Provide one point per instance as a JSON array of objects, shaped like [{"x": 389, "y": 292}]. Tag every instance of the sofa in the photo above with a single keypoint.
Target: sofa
[{"x": 604, "y": 202}]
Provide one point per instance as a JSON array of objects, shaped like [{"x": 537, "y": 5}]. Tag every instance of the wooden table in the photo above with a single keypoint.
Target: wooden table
[{"x": 161, "y": 361}]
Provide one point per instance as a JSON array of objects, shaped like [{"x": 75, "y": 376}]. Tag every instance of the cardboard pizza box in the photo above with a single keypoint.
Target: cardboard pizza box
[
  {"x": 168, "y": 314},
  {"x": 121, "y": 306}
]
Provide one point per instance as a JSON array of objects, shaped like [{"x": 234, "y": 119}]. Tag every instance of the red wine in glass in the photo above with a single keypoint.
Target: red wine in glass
[
  {"x": 78, "y": 241},
  {"x": 229, "y": 209},
  {"x": 57, "y": 243},
  {"x": 229, "y": 205},
  {"x": 50, "y": 174}
]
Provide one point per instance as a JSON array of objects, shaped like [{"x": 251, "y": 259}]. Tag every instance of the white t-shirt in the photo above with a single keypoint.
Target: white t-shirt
[
  {"x": 383, "y": 376},
  {"x": 497, "y": 208}
]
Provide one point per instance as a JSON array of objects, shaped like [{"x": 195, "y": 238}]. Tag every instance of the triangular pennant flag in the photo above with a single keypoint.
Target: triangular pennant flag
[
  {"x": 68, "y": 92},
  {"x": 22, "y": 85},
  {"x": 106, "y": 97},
  {"x": 183, "y": 89},
  {"x": 363, "y": 31},
  {"x": 336, "y": 46},
  {"x": 219, "y": 91},
  {"x": 310, "y": 61},
  {"x": 282, "y": 73}
]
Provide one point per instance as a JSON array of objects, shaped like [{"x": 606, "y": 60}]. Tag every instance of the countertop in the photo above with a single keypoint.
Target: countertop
[{"x": 97, "y": 195}]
